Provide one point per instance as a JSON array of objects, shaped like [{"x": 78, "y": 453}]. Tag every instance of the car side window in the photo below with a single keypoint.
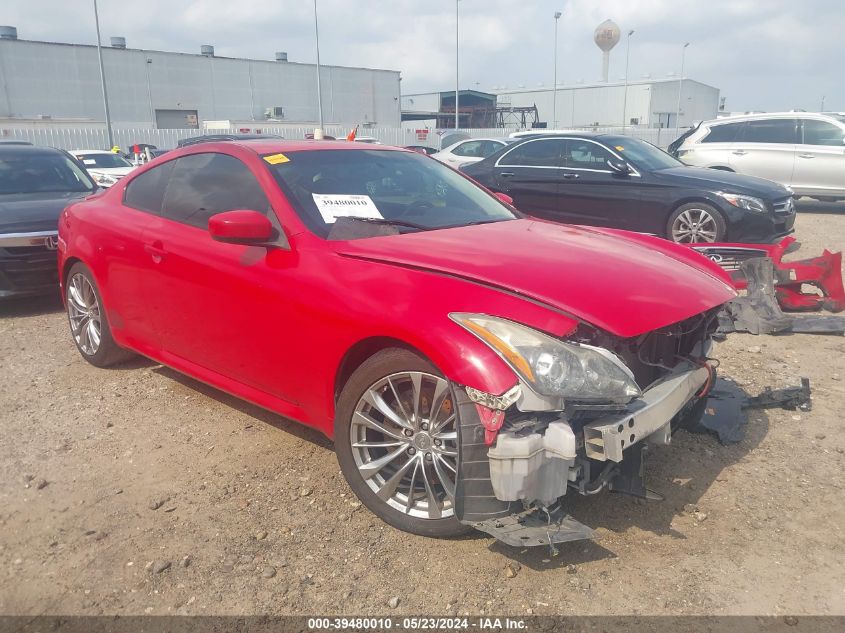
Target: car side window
[
  {"x": 586, "y": 155},
  {"x": 203, "y": 185},
  {"x": 822, "y": 133},
  {"x": 490, "y": 147},
  {"x": 770, "y": 131},
  {"x": 145, "y": 192},
  {"x": 539, "y": 153},
  {"x": 725, "y": 133},
  {"x": 470, "y": 149}
]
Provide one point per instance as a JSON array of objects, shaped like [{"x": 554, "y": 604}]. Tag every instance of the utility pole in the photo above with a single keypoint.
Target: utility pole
[
  {"x": 103, "y": 77},
  {"x": 319, "y": 131},
  {"x": 680, "y": 88},
  {"x": 625, "y": 97},
  {"x": 554, "y": 86},
  {"x": 457, "y": 80}
]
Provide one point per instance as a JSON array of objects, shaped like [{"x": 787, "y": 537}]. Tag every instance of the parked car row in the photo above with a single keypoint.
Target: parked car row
[{"x": 471, "y": 363}]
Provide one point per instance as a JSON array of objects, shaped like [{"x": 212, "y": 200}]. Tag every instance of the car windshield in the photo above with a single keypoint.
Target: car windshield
[
  {"x": 407, "y": 189},
  {"x": 42, "y": 172},
  {"x": 103, "y": 161},
  {"x": 640, "y": 154}
]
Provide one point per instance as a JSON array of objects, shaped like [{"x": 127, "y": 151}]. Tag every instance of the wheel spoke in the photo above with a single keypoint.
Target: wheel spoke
[
  {"x": 433, "y": 504},
  {"x": 76, "y": 297},
  {"x": 371, "y": 468},
  {"x": 94, "y": 335},
  {"x": 84, "y": 341},
  {"x": 416, "y": 383},
  {"x": 363, "y": 418},
  {"x": 441, "y": 425},
  {"x": 391, "y": 485},
  {"x": 445, "y": 451},
  {"x": 441, "y": 390},
  {"x": 398, "y": 399},
  {"x": 409, "y": 503},
  {"x": 443, "y": 476},
  {"x": 447, "y": 436},
  {"x": 378, "y": 444},
  {"x": 375, "y": 399}
]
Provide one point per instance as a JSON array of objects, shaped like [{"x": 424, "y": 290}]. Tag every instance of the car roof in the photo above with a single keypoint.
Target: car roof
[
  {"x": 270, "y": 146},
  {"x": 27, "y": 149},
  {"x": 90, "y": 151},
  {"x": 761, "y": 116}
]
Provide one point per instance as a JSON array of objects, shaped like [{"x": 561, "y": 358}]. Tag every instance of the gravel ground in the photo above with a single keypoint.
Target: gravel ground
[{"x": 137, "y": 490}]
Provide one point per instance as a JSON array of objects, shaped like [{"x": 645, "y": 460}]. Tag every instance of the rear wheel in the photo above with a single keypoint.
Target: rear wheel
[
  {"x": 88, "y": 323},
  {"x": 694, "y": 223},
  {"x": 396, "y": 441}
]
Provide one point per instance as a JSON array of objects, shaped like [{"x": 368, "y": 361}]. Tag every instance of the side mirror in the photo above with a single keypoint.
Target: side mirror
[
  {"x": 619, "y": 166},
  {"x": 240, "y": 227},
  {"x": 504, "y": 198}
]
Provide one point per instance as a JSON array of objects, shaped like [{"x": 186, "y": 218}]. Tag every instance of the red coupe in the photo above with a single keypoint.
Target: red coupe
[{"x": 472, "y": 365}]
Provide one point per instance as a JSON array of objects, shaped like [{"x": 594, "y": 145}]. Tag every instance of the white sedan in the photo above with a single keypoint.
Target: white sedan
[
  {"x": 106, "y": 168},
  {"x": 470, "y": 150}
]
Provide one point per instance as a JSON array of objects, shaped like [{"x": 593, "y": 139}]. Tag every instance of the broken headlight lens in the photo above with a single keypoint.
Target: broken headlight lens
[
  {"x": 748, "y": 203},
  {"x": 552, "y": 367}
]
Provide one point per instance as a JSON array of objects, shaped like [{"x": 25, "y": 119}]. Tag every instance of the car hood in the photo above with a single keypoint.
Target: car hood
[
  {"x": 721, "y": 180},
  {"x": 626, "y": 287},
  {"x": 116, "y": 172},
  {"x": 34, "y": 212}
]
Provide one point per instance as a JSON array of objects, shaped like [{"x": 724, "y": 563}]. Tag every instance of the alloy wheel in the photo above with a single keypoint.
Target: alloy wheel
[
  {"x": 694, "y": 226},
  {"x": 84, "y": 313},
  {"x": 404, "y": 442}
]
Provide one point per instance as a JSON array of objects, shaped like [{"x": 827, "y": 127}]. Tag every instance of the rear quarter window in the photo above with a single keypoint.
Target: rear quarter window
[
  {"x": 724, "y": 133},
  {"x": 146, "y": 191}
]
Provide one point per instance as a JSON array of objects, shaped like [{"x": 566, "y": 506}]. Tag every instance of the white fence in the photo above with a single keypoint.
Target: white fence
[{"x": 95, "y": 137}]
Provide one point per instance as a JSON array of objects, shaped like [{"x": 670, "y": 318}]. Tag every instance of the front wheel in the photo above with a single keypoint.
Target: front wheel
[
  {"x": 89, "y": 325},
  {"x": 396, "y": 441},
  {"x": 694, "y": 223}
]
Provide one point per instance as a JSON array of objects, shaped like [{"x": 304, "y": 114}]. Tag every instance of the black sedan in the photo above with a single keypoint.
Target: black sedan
[
  {"x": 36, "y": 184},
  {"x": 626, "y": 183}
]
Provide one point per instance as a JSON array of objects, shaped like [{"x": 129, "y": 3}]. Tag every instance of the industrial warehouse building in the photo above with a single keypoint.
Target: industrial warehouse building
[
  {"x": 61, "y": 82},
  {"x": 651, "y": 103}
]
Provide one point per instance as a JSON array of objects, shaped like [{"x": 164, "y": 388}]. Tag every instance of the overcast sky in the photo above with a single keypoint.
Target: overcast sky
[{"x": 762, "y": 54}]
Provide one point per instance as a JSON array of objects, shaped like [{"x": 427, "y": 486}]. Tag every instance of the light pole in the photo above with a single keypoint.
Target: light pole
[
  {"x": 625, "y": 97},
  {"x": 680, "y": 87},
  {"x": 554, "y": 86},
  {"x": 318, "y": 133},
  {"x": 103, "y": 77},
  {"x": 456, "y": 64}
]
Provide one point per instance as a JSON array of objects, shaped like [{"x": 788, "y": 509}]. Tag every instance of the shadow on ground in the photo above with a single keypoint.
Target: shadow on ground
[{"x": 30, "y": 306}]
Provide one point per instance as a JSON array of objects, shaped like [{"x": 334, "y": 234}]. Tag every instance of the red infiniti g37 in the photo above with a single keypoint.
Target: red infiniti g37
[{"x": 472, "y": 365}]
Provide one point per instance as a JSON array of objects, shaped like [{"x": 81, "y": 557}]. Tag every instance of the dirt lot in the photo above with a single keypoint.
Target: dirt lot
[{"x": 107, "y": 476}]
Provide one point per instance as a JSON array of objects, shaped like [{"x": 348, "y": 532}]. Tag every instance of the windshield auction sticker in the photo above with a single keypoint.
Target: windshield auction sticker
[{"x": 333, "y": 206}]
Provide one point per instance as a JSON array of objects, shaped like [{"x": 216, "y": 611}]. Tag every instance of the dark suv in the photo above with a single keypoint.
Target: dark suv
[
  {"x": 36, "y": 184},
  {"x": 626, "y": 183}
]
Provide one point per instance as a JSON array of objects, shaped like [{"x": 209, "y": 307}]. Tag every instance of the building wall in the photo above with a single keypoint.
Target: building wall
[
  {"x": 63, "y": 81},
  {"x": 699, "y": 102}
]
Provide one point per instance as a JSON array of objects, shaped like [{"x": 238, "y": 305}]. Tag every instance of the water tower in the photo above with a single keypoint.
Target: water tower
[{"x": 606, "y": 37}]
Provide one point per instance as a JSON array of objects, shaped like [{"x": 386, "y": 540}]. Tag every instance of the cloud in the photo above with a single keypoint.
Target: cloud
[{"x": 768, "y": 55}]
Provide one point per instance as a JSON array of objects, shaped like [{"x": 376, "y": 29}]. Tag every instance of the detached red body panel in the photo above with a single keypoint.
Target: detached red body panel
[{"x": 823, "y": 273}]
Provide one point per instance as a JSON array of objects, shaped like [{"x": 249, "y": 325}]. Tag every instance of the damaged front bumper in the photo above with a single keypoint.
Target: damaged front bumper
[
  {"x": 823, "y": 273},
  {"x": 512, "y": 489}
]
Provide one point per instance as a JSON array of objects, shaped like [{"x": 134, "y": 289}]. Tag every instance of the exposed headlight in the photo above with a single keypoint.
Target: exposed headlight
[
  {"x": 105, "y": 180},
  {"x": 552, "y": 367},
  {"x": 748, "y": 203}
]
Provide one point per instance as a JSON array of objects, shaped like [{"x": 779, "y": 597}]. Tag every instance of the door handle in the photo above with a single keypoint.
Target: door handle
[
  {"x": 806, "y": 155},
  {"x": 740, "y": 152},
  {"x": 506, "y": 174},
  {"x": 571, "y": 176},
  {"x": 156, "y": 251}
]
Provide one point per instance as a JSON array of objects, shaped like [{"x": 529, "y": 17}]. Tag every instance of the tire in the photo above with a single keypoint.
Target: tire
[
  {"x": 696, "y": 222},
  {"x": 87, "y": 319},
  {"x": 412, "y": 468}
]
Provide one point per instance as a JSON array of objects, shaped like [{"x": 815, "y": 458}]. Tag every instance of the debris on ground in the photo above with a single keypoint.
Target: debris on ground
[{"x": 724, "y": 412}]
